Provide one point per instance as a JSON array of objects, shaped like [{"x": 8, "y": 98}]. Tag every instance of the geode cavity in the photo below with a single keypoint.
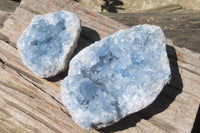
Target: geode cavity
[{"x": 48, "y": 42}]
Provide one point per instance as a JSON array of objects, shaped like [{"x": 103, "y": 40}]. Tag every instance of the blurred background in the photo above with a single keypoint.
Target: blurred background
[
  {"x": 131, "y": 6},
  {"x": 180, "y": 19}
]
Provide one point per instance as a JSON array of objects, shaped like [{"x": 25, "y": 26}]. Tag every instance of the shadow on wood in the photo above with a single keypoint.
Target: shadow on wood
[
  {"x": 16, "y": 0},
  {"x": 162, "y": 102},
  {"x": 112, "y": 5},
  {"x": 87, "y": 37}
]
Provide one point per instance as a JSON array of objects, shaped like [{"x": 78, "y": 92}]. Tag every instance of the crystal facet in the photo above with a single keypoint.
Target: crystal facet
[
  {"x": 117, "y": 76},
  {"x": 48, "y": 42}
]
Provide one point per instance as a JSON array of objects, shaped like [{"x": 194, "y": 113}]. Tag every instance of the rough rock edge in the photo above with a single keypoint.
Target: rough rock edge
[{"x": 68, "y": 55}]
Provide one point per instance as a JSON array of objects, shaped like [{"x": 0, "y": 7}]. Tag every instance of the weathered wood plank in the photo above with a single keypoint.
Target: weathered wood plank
[
  {"x": 32, "y": 104},
  {"x": 9, "y": 5},
  {"x": 22, "y": 95},
  {"x": 3, "y": 16},
  {"x": 170, "y": 8}
]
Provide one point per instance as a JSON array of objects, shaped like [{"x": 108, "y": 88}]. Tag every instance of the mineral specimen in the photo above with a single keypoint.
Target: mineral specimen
[
  {"x": 48, "y": 42},
  {"x": 117, "y": 76}
]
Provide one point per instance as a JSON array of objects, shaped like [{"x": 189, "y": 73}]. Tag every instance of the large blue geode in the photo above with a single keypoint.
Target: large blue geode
[
  {"x": 48, "y": 42},
  {"x": 117, "y": 76}
]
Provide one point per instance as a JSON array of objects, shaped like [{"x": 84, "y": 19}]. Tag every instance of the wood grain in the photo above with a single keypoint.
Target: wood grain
[{"x": 31, "y": 104}]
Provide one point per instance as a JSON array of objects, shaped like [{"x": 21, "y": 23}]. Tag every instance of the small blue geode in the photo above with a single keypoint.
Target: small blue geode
[
  {"x": 48, "y": 42},
  {"x": 116, "y": 76}
]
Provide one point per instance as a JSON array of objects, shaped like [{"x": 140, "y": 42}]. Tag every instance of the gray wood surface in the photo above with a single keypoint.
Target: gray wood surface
[
  {"x": 31, "y": 104},
  {"x": 3, "y": 16}
]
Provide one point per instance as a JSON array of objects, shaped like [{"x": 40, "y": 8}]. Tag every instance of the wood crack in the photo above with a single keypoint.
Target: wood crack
[
  {"x": 24, "y": 73},
  {"x": 193, "y": 72},
  {"x": 2, "y": 63},
  {"x": 60, "y": 104},
  {"x": 32, "y": 116},
  {"x": 14, "y": 88}
]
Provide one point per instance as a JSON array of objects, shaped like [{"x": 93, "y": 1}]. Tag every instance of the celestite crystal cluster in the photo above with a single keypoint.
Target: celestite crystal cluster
[
  {"x": 117, "y": 76},
  {"x": 108, "y": 80},
  {"x": 48, "y": 42}
]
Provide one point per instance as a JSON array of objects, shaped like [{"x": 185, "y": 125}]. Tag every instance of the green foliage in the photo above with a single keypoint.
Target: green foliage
[{"x": 105, "y": 11}]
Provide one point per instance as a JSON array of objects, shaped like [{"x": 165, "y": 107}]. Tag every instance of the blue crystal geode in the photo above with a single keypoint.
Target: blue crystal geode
[
  {"x": 116, "y": 76},
  {"x": 48, "y": 42}
]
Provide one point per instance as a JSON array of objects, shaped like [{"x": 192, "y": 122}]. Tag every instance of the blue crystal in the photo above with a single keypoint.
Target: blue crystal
[
  {"x": 48, "y": 42},
  {"x": 116, "y": 76}
]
